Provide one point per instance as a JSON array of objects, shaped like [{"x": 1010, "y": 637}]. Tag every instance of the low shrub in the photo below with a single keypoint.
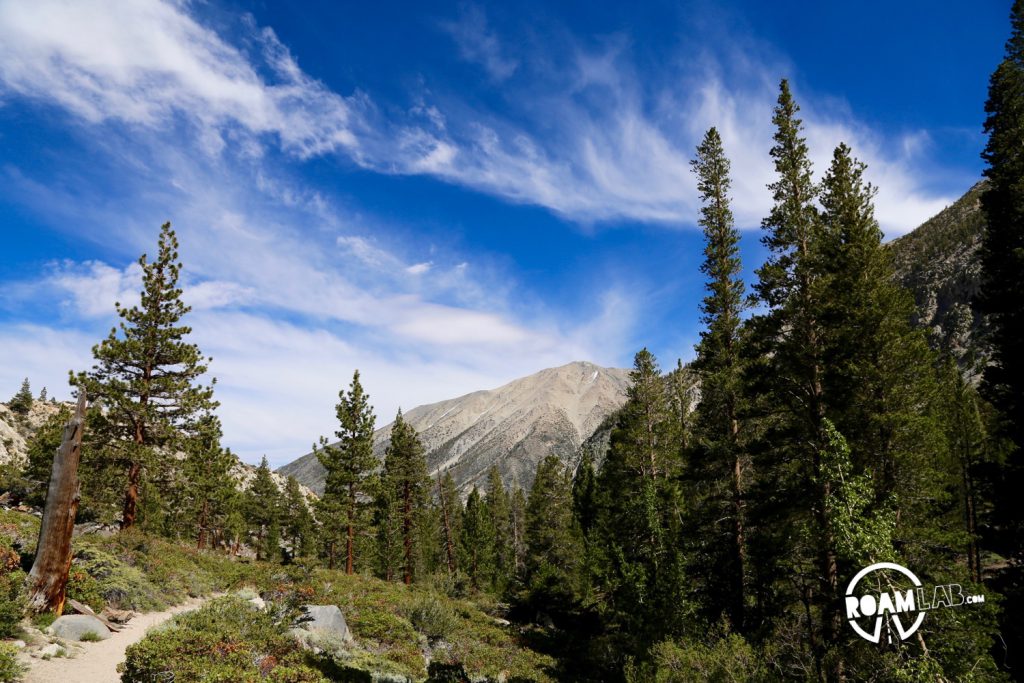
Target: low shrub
[
  {"x": 12, "y": 601},
  {"x": 11, "y": 670},
  {"x": 225, "y": 640},
  {"x": 432, "y": 617}
]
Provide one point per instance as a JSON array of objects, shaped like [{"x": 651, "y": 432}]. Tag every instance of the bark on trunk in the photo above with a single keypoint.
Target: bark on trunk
[
  {"x": 47, "y": 582},
  {"x": 351, "y": 540},
  {"x": 447, "y": 527}
]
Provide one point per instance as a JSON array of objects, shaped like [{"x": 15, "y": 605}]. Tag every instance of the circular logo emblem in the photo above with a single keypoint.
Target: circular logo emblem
[{"x": 887, "y": 604}]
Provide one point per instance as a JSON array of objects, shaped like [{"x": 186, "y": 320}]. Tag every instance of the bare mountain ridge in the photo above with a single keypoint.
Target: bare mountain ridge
[{"x": 513, "y": 426}]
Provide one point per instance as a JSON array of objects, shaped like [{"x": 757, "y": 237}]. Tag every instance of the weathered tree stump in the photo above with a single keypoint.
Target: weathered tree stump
[{"x": 47, "y": 582}]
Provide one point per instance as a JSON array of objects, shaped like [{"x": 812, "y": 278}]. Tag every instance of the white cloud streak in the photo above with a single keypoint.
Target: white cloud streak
[{"x": 613, "y": 149}]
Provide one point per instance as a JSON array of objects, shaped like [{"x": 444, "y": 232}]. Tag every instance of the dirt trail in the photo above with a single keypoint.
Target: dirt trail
[{"x": 97, "y": 663}]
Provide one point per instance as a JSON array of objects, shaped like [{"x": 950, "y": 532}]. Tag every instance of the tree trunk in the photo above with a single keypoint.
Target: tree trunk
[
  {"x": 447, "y": 527},
  {"x": 407, "y": 529},
  {"x": 131, "y": 496},
  {"x": 351, "y": 539},
  {"x": 47, "y": 582}
]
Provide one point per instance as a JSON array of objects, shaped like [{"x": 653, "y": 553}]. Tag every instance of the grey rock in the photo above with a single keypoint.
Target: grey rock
[
  {"x": 18, "y": 643},
  {"x": 74, "y": 626},
  {"x": 51, "y": 650},
  {"x": 325, "y": 620},
  {"x": 258, "y": 602}
]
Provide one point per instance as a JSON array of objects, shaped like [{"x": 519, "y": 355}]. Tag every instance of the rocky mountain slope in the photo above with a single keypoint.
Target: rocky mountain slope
[
  {"x": 513, "y": 427},
  {"x": 939, "y": 263}
]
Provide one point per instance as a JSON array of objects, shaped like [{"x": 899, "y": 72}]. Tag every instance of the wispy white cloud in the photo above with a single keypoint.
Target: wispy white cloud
[
  {"x": 586, "y": 137},
  {"x": 479, "y": 44}
]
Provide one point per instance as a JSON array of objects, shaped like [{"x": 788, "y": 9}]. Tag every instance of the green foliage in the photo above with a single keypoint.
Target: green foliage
[
  {"x": 345, "y": 508},
  {"x": 476, "y": 542},
  {"x": 263, "y": 513},
  {"x": 11, "y": 669},
  {"x": 12, "y": 601},
  {"x": 717, "y": 465},
  {"x": 209, "y": 492},
  {"x": 225, "y": 640},
  {"x": 724, "y": 658},
  {"x": 90, "y": 637},
  {"x": 402, "y": 503},
  {"x": 21, "y": 402},
  {"x": 432, "y": 617},
  {"x": 552, "y": 566},
  {"x": 299, "y": 526}
]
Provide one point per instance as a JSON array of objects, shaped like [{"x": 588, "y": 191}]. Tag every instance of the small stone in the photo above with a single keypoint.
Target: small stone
[
  {"x": 258, "y": 602},
  {"x": 326, "y": 619},
  {"x": 51, "y": 650},
  {"x": 18, "y": 644}
]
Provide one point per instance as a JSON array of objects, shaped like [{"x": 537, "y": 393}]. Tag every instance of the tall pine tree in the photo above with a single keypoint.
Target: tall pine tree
[
  {"x": 350, "y": 480},
  {"x": 404, "y": 498},
  {"x": 718, "y": 462},
  {"x": 147, "y": 376},
  {"x": 1002, "y": 261}
]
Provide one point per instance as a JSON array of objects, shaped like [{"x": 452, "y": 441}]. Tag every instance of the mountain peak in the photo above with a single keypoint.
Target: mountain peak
[{"x": 512, "y": 427}]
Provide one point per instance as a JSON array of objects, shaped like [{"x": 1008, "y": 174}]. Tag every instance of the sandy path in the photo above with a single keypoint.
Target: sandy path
[{"x": 98, "y": 662}]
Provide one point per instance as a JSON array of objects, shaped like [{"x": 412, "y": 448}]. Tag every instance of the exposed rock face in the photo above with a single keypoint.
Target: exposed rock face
[
  {"x": 16, "y": 430},
  {"x": 939, "y": 263},
  {"x": 513, "y": 427}
]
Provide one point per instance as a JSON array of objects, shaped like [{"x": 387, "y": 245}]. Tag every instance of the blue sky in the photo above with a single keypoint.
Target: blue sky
[{"x": 446, "y": 196}]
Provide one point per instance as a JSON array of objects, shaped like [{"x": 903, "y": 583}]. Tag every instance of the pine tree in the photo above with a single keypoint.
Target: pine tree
[
  {"x": 553, "y": 542},
  {"x": 298, "y": 521},
  {"x": 638, "y": 537},
  {"x": 21, "y": 402},
  {"x": 788, "y": 342},
  {"x": 350, "y": 465},
  {"x": 1002, "y": 268},
  {"x": 499, "y": 511},
  {"x": 263, "y": 513},
  {"x": 209, "y": 490},
  {"x": 476, "y": 542},
  {"x": 146, "y": 378},
  {"x": 718, "y": 462},
  {"x": 407, "y": 487},
  {"x": 450, "y": 507}
]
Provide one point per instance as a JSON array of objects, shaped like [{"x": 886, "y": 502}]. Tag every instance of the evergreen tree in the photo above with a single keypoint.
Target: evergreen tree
[
  {"x": 406, "y": 487},
  {"x": 450, "y": 507},
  {"x": 476, "y": 542},
  {"x": 263, "y": 513},
  {"x": 298, "y": 524},
  {"x": 788, "y": 344},
  {"x": 1002, "y": 269},
  {"x": 21, "y": 402},
  {"x": 499, "y": 511},
  {"x": 719, "y": 463},
  {"x": 146, "y": 378},
  {"x": 350, "y": 464},
  {"x": 209, "y": 490},
  {"x": 553, "y": 543},
  {"x": 638, "y": 536}
]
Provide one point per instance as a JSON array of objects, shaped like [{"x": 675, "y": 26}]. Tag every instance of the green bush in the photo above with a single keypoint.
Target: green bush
[
  {"x": 225, "y": 640},
  {"x": 11, "y": 669},
  {"x": 432, "y": 617},
  {"x": 98, "y": 578},
  {"x": 725, "y": 659},
  {"x": 12, "y": 602}
]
